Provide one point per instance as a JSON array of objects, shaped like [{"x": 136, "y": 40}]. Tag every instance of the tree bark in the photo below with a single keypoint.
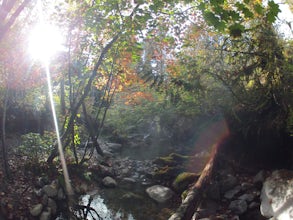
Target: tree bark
[
  {"x": 4, "y": 150},
  {"x": 194, "y": 196}
]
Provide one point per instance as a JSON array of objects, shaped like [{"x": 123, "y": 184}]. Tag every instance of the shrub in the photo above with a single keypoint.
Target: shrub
[{"x": 36, "y": 147}]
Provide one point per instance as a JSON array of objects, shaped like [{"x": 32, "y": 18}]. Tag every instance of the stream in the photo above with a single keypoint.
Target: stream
[{"x": 129, "y": 200}]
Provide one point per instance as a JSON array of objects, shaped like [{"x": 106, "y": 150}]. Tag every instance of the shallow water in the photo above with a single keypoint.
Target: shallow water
[{"x": 124, "y": 204}]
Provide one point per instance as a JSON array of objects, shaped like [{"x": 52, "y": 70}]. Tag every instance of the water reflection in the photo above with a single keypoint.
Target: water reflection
[{"x": 101, "y": 208}]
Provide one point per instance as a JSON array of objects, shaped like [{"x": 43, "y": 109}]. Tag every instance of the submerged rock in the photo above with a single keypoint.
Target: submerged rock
[{"x": 160, "y": 193}]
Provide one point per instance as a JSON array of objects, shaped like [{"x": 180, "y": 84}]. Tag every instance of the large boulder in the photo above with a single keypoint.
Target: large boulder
[
  {"x": 277, "y": 195},
  {"x": 160, "y": 193}
]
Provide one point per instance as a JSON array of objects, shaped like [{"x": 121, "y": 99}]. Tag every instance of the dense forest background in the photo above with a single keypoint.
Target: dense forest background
[{"x": 145, "y": 71}]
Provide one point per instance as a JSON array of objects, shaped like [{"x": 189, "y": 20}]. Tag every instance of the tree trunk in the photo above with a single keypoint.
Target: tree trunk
[
  {"x": 195, "y": 193},
  {"x": 62, "y": 97},
  {"x": 85, "y": 93},
  {"x": 4, "y": 150},
  {"x": 6, "y": 9}
]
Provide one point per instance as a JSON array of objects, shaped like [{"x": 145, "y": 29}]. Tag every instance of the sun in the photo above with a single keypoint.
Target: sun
[{"x": 45, "y": 40}]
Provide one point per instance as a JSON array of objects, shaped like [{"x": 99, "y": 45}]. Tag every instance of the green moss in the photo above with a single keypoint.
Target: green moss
[
  {"x": 172, "y": 159},
  {"x": 183, "y": 180},
  {"x": 168, "y": 173},
  {"x": 184, "y": 194}
]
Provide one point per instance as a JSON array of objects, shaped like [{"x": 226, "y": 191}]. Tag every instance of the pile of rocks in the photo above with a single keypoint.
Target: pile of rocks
[
  {"x": 259, "y": 197},
  {"x": 49, "y": 194}
]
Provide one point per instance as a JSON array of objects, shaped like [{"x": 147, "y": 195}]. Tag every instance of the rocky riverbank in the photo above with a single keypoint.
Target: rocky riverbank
[{"x": 131, "y": 188}]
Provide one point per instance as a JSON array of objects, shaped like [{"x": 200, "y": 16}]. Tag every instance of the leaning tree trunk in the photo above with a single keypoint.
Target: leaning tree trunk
[
  {"x": 195, "y": 193},
  {"x": 85, "y": 93}
]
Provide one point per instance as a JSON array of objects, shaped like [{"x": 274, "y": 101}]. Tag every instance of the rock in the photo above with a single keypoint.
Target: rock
[
  {"x": 214, "y": 191},
  {"x": 259, "y": 178},
  {"x": 41, "y": 181},
  {"x": 132, "y": 198},
  {"x": 160, "y": 193},
  {"x": 128, "y": 180},
  {"x": 182, "y": 181},
  {"x": 106, "y": 171},
  {"x": 238, "y": 206},
  {"x": 60, "y": 194},
  {"x": 83, "y": 188},
  {"x": 45, "y": 199},
  {"x": 52, "y": 205},
  {"x": 277, "y": 195},
  {"x": 208, "y": 208},
  {"x": 46, "y": 215},
  {"x": 50, "y": 190},
  {"x": 228, "y": 183},
  {"x": 109, "y": 182},
  {"x": 232, "y": 193},
  {"x": 128, "y": 183},
  {"x": 114, "y": 147},
  {"x": 253, "y": 205},
  {"x": 246, "y": 186},
  {"x": 36, "y": 210},
  {"x": 247, "y": 197},
  {"x": 38, "y": 192}
]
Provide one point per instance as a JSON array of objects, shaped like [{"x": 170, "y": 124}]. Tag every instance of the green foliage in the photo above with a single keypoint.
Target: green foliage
[
  {"x": 273, "y": 11},
  {"x": 36, "y": 147},
  {"x": 234, "y": 17}
]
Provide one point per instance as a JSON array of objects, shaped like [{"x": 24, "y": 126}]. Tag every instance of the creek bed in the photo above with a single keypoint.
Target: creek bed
[{"x": 125, "y": 204}]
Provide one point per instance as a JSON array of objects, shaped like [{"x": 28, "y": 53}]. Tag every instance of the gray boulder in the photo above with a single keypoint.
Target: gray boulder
[
  {"x": 160, "y": 193},
  {"x": 36, "y": 210},
  {"x": 109, "y": 182},
  {"x": 277, "y": 195}
]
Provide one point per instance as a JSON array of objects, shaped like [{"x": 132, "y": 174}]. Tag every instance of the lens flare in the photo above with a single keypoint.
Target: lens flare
[
  {"x": 44, "y": 42},
  {"x": 213, "y": 134}
]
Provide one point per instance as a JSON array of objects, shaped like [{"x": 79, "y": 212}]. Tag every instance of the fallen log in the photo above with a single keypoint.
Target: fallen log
[{"x": 195, "y": 194}]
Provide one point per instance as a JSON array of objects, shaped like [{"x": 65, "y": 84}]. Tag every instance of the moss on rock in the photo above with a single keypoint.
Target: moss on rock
[{"x": 183, "y": 180}]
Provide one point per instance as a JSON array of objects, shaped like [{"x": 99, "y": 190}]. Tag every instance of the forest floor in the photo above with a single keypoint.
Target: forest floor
[{"x": 17, "y": 190}]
